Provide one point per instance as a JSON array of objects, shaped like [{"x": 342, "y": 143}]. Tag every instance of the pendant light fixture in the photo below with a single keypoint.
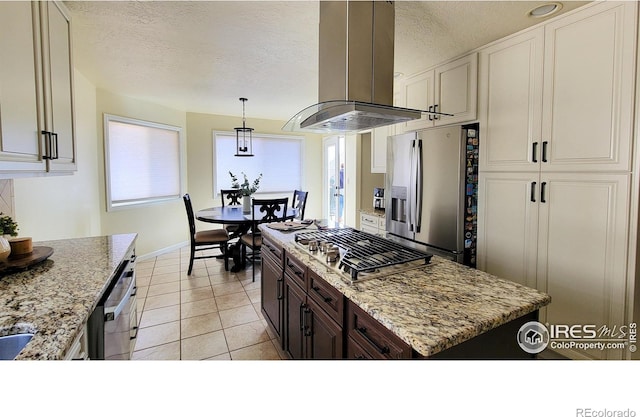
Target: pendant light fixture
[{"x": 244, "y": 141}]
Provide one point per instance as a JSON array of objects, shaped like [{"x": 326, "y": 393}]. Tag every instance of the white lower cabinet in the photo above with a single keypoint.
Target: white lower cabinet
[
  {"x": 508, "y": 226},
  {"x": 78, "y": 349},
  {"x": 372, "y": 224},
  {"x": 564, "y": 234}
]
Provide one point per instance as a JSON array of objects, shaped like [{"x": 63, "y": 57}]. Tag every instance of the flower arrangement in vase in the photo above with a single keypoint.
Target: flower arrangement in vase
[{"x": 246, "y": 189}]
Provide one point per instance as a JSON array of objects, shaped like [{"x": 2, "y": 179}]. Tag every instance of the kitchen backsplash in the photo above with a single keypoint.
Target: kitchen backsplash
[{"x": 6, "y": 198}]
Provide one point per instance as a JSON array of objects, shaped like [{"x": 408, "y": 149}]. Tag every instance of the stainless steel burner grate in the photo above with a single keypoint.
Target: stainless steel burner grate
[{"x": 364, "y": 252}]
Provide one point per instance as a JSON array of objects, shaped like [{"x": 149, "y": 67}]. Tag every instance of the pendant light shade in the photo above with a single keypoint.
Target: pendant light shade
[{"x": 244, "y": 141}]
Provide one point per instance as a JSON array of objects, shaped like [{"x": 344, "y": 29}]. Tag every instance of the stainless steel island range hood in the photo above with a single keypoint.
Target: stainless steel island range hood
[{"x": 355, "y": 84}]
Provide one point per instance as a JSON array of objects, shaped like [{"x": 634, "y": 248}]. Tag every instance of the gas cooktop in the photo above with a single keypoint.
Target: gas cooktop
[{"x": 361, "y": 254}]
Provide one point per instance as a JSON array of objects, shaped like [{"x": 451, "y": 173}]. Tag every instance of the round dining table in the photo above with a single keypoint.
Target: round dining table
[{"x": 235, "y": 215}]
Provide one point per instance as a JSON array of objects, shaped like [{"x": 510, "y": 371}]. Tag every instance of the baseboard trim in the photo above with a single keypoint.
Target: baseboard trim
[{"x": 163, "y": 251}]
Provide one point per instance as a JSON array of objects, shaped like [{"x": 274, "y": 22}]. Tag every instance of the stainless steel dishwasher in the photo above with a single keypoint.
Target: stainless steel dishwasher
[{"x": 112, "y": 327}]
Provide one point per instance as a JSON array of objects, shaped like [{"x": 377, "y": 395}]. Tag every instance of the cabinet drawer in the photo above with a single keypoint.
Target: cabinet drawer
[
  {"x": 328, "y": 298},
  {"x": 367, "y": 219},
  {"x": 273, "y": 250},
  {"x": 355, "y": 351},
  {"x": 369, "y": 229},
  {"x": 296, "y": 270},
  {"x": 373, "y": 337}
]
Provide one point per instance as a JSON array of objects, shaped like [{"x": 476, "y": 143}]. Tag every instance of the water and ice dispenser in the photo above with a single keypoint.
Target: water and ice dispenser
[{"x": 399, "y": 204}]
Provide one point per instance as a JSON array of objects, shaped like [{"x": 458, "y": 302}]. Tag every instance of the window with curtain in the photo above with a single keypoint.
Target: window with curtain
[
  {"x": 277, "y": 158},
  {"x": 143, "y": 162}
]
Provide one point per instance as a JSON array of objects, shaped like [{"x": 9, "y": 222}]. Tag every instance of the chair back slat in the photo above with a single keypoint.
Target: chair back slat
[
  {"x": 269, "y": 210},
  {"x": 299, "y": 202},
  {"x": 231, "y": 197},
  {"x": 190, "y": 216}
]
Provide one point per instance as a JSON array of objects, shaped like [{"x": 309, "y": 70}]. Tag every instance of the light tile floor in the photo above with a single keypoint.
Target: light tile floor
[{"x": 212, "y": 314}]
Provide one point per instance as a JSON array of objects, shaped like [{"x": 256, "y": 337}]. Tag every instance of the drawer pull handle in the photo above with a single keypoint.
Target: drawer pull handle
[
  {"x": 324, "y": 297},
  {"x": 363, "y": 333},
  {"x": 271, "y": 248},
  {"x": 135, "y": 335},
  {"x": 294, "y": 269}
]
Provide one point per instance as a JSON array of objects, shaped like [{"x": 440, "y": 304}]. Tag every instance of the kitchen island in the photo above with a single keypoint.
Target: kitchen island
[
  {"x": 54, "y": 298},
  {"x": 441, "y": 309}
]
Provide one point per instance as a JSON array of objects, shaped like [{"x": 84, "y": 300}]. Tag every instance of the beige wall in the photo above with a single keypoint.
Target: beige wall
[
  {"x": 159, "y": 226},
  {"x": 200, "y": 158},
  {"x": 60, "y": 207},
  {"x": 70, "y": 206},
  {"x": 368, "y": 180}
]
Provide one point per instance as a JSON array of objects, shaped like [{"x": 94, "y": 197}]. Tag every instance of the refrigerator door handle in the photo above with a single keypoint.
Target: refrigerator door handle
[
  {"x": 411, "y": 207},
  {"x": 418, "y": 193}
]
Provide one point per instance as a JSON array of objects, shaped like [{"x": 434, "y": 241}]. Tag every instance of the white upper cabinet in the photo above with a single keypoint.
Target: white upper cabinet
[
  {"x": 379, "y": 139},
  {"x": 379, "y": 149},
  {"x": 21, "y": 100},
  {"x": 60, "y": 121},
  {"x": 510, "y": 97},
  {"x": 589, "y": 90},
  {"x": 560, "y": 97},
  {"x": 36, "y": 89},
  {"x": 449, "y": 88}
]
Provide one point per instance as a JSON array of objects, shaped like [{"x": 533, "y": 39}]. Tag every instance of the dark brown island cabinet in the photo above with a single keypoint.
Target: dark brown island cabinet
[
  {"x": 272, "y": 292},
  {"x": 314, "y": 320},
  {"x": 308, "y": 314},
  {"x": 313, "y": 314}
]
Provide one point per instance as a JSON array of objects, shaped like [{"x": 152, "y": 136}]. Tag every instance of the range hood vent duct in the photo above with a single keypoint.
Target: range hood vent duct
[{"x": 355, "y": 84}]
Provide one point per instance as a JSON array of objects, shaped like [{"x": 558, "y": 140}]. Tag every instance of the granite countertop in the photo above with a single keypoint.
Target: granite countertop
[
  {"x": 54, "y": 298},
  {"x": 373, "y": 212},
  {"x": 434, "y": 307}
]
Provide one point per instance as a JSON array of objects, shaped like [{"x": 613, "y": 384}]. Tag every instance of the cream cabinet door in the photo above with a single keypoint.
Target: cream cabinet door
[
  {"x": 456, "y": 90},
  {"x": 589, "y": 89},
  {"x": 60, "y": 121},
  {"x": 508, "y": 225},
  {"x": 582, "y": 251},
  {"x": 379, "y": 149},
  {"x": 20, "y": 88},
  {"x": 510, "y": 110},
  {"x": 418, "y": 94}
]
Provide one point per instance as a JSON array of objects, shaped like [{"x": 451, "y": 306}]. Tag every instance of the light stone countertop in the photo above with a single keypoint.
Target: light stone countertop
[
  {"x": 373, "y": 212},
  {"x": 55, "y": 297},
  {"x": 432, "y": 308}
]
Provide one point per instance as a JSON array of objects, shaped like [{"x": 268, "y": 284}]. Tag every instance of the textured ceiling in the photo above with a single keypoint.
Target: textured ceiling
[{"x": 201, "y": 56}]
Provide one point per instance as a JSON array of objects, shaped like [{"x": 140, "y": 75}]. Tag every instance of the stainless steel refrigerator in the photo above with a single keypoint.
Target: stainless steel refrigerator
[{"x": 431, "y": 191}]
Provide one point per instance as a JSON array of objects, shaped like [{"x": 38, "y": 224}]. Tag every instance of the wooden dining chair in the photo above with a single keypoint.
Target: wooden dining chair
[
  {"x": 231, "y": 197},
  {"x": 206, "y": 239},
  {"x": 299, "y": 202},
  {"x": 262, "y": 211}
]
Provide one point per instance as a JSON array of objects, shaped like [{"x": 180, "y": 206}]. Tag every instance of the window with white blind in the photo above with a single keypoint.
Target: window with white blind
[
  {"x": 277, "y": 158},
  {"x": 143, "y": 162}
]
